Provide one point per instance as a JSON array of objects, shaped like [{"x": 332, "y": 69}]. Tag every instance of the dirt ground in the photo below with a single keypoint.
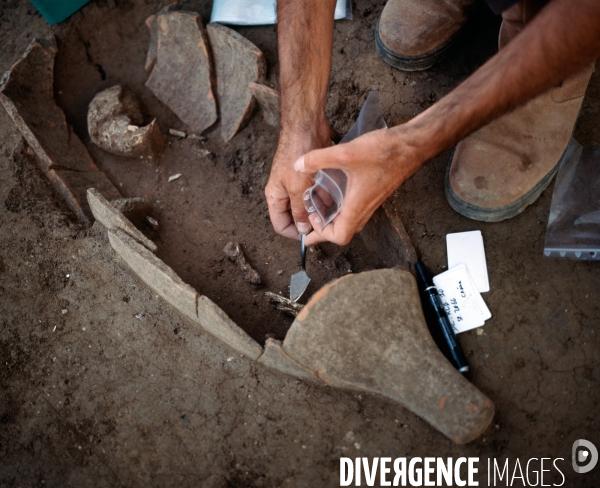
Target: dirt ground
[{"x": 103, "y": 384}]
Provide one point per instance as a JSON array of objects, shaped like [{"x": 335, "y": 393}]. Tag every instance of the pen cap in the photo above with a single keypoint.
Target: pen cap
[{"x": 423, "y": 276}]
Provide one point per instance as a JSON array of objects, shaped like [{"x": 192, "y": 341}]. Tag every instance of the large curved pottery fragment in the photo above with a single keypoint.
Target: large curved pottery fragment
[
  {"x": 367, "y": 332},
  {"x": 378, "y": 343}
]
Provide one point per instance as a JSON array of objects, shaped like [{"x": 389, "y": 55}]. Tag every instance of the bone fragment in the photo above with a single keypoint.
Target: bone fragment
[
  {"x": 285, "y": 304},
  {"x": 235, "y": 254}
]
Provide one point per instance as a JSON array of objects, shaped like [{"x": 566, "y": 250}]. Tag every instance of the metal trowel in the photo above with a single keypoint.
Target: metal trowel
[{"x": 300, "y": 280}]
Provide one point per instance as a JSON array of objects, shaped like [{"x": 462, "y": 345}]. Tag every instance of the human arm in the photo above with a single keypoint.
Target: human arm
[
  {"x": 547, "y": 51},
  {"x": 304, "y": 35}
]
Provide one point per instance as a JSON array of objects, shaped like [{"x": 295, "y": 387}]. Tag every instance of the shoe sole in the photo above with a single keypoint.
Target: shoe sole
[
  {"x": 496, "y": 214},
  {"x": 416, "y": 63}
]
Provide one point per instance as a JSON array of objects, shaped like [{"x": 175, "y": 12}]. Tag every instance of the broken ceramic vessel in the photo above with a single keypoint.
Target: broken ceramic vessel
[{"x": 115, "y": 125}]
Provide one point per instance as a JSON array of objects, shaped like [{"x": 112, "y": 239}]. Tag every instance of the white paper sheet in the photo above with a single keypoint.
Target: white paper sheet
[
  {"x": 467, "y": 248},
  {"x": 261, "y": 12},
  {"x": 462, "y": 301}
]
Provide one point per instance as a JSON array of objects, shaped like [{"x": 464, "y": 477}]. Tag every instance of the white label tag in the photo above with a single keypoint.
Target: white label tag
[
  {"x": 464, "y": 305},
  {"x": 467, "y": 248}
]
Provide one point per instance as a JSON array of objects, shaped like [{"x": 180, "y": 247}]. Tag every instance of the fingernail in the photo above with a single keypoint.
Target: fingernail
[
  {"x": 303, "y": 227},
  {"x": 299, "y": 164}
]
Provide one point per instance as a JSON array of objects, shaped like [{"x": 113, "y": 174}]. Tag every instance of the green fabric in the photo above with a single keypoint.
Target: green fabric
[{"x": 55, "y": 11}]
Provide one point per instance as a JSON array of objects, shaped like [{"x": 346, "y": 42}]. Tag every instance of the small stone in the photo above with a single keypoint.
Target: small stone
[
  {"x": 177, "y": 133},
  {"x": 280, "y": 272},
  {"x": 238, "y": 62},
  {"x": 174, "y": 177},
  {"x": 64, "y": 311},
  {"x": 181, "y": 69},
  {"x": 152, "y": 222}
]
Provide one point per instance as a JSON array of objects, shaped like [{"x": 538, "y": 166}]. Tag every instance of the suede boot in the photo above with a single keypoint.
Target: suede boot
[
  {"x": 497, "y": 171},
  {"x": 413, "y": 35}
]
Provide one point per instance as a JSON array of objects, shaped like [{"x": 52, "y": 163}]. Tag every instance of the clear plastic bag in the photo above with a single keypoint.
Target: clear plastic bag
[
  {"x": 326, "y": 196},
  {"x": 261, "y": 12},
  {"x": 574, "y": 222}
]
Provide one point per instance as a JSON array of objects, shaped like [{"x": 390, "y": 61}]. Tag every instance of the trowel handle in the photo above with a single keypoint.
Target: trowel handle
[{"x": 303, "y": 251}]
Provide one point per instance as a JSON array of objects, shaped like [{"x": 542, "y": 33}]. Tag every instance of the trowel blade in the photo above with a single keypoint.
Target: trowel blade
[{"x": 298, "y": 285}]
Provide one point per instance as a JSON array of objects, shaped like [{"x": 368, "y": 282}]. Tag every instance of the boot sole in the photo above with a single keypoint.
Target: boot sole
[
  {"x": 496, "y": 214},
  {"x": 416, "y": 63}
]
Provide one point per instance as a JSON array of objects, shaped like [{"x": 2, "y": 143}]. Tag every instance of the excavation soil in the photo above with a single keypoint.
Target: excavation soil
[{"x": 103, "y": 384}]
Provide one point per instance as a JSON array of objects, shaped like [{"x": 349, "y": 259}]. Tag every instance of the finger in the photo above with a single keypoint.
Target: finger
[
  {"x": 322, "y": 197},
  {"x": 340, "y": 231},
  {"x": 313, "y": 161},
  {"x": 313, "y": 238},
  {"x": 281, "y": 216},
  {"x": 299, "y": 214}
]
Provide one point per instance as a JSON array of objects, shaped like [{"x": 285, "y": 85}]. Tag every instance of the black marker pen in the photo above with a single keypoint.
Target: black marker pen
[{"x": 438, "y": 322}]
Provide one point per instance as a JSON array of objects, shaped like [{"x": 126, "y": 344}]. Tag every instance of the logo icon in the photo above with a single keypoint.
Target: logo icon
[{"x": 584, "y": 452}]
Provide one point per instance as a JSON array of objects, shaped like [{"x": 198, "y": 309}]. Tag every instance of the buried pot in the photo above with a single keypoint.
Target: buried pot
[
  {"x": 378, "y": 344},
  {"x": 114, "y": 123}
]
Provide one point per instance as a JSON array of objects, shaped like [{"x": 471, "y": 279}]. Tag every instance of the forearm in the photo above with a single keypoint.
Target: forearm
[
  {"x": 547, "y": 51},
  {"x": 305, "y": 32}
]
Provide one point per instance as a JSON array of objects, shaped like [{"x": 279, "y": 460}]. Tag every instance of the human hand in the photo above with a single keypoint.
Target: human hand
[
  {"x": 376, "y": 164},
  {"x": 286, "y": 186}
]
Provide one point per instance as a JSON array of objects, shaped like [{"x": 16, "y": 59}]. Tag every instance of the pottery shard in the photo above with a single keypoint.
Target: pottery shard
[
  {"x": 268, "y": 99},
  {"x": 73, "y": 186},
  {"x": 181, "y": 69},
  {"x": 114, "y": 124},
  {"x": 238, "y": 62},
  {"x": 164, "y": 281},
  {"x": 112, "y": 218},
  {"x": 381, "y": 344},
  {"x": 276, "y": 358},
  {"x": 26, "y": 91},
  {"x": 156, "y": 274},
  {"x": 385, "y": 235},
  {"x": 215, "y": 321}
]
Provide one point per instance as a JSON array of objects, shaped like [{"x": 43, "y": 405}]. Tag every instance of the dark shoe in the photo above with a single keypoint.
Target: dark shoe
[
  {"x": 413, "y": 35},
  {"x": 496, "y": 172}
]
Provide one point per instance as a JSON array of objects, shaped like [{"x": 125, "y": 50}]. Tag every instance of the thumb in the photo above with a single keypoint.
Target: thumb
[
  {"x": 300, "y": 215},
  {"x": 313, "y": 161}
]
